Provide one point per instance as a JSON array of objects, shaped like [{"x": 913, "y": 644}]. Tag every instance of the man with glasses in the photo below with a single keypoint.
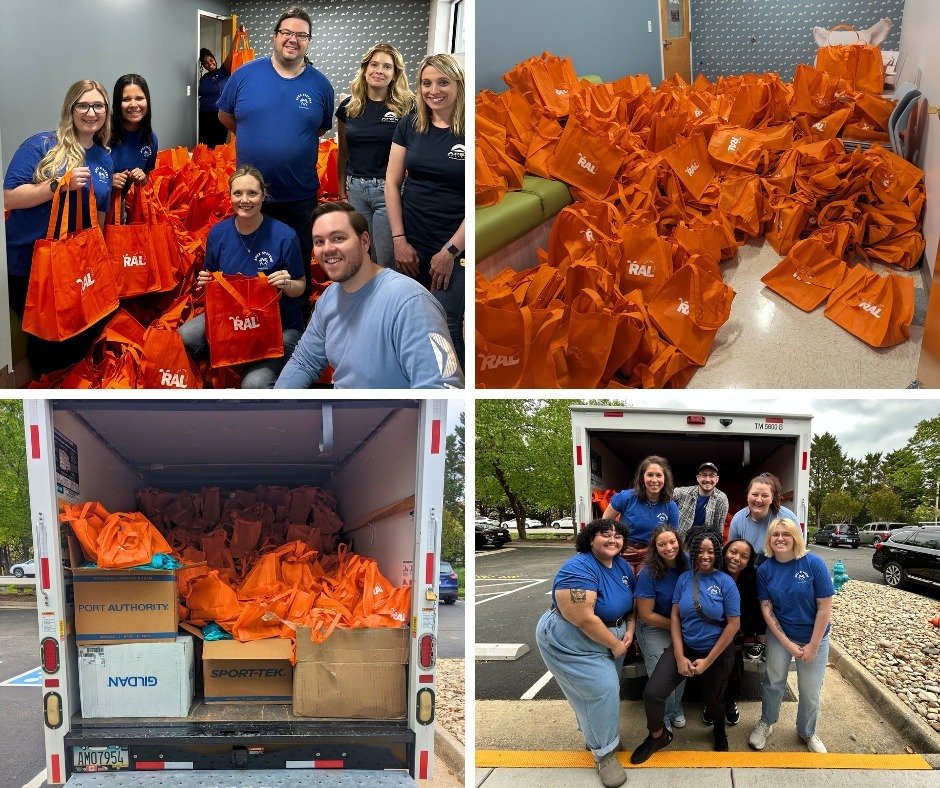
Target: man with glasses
[
  {"x": 278, "y": 108},
  {"x": 702, "y": 507}
]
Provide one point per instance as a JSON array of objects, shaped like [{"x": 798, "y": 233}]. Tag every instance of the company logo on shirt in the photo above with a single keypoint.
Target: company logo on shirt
[
  {"x": 146, "y": 151},
  {"x": 714, "y": 591},
  {"x": 801, "y": 576},
  {"x": 662, "y": 517},
  {"x": 457, "y": 152},
  {"x": 390, "y": 117},
  {"x": 444, "y": 355},
  {"x": 102, "y": 175},
  {"x": 264, "y": 260},
  {"x": 304, "y": 101},
  {"x": 625, "y": 580}
]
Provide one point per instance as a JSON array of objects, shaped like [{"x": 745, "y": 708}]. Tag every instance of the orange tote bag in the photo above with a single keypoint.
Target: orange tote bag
[
  {"x": 876, "y": 309},
  {"x": 243, "y": 320}
]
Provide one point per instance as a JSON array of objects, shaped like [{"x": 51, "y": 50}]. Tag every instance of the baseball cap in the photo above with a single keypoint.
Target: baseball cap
[{"x": 709, "y": 465}]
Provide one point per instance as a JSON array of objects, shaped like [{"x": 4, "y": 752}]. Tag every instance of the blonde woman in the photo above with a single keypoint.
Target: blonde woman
[
  {"x": 426, "y": 206},
  {"x": 78, "y": 146},
  {"x": 366, "y": 122}
]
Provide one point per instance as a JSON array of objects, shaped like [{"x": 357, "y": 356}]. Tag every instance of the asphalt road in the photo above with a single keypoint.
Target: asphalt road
[
  {"x": 513, "y": 586},
  {"x": 451, "y": 627},
  {"x": 21, "y": 729}
]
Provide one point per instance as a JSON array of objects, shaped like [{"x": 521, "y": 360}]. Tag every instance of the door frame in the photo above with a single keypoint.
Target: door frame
[
  {"x": 662, "y": 37},
  {"x": 223, "y": 25}
]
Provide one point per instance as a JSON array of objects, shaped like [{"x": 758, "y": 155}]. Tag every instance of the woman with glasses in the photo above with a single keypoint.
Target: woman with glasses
[
  {"x": 366, "y": 122},
  {"x": 585, "y": 634},
  {"x": 424, "y": 187},
  {"x": 133, "y": 141},
  {"x": 795, "y": 593},
  {"x": 763, "y": 505},
  {"x": 77, "y": 145}
]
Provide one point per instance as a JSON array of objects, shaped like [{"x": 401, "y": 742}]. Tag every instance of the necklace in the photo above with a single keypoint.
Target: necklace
[{"x": 254, "y": 237}]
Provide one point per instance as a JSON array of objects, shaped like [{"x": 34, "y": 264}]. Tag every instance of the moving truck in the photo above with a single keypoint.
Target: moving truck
[
  {"x": 609, "y": 442},
  {"x": 384, "y": 463}
]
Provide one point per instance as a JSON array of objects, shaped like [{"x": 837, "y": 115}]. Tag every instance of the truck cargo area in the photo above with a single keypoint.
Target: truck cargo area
[{"x": 370, "y": 454}]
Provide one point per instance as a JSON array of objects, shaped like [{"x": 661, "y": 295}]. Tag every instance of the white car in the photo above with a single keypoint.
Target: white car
[
  {"x": 27, "y": 568},
  {"x": 529, "y": 523},
  {"x": 564, "y": 522}
]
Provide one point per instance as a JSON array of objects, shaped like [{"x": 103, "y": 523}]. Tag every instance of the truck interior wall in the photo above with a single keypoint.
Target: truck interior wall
[
  {"x": 381, "y": 473},
  {"x": 615, "y": 474},
  {"x": 781, "y": 465}
]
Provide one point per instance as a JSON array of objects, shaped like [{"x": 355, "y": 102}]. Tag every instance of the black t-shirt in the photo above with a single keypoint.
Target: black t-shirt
[
  {"x": 432, "y": 196},
  {"x": 368, "y": 138}
]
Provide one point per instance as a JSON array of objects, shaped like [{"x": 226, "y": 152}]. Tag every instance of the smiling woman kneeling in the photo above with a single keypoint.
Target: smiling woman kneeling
[{"x": 584, "y": 636}]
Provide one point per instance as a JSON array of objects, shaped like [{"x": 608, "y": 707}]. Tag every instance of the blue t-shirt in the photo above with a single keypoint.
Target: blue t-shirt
[
  {"x": 368, "y": 138},
  {"x": 641, "y": 517},
  {"x": 274, "y": 248},
  {"x": 279, "y": 122},
  {"x": 135, "y": 152},
  {"x": 614, "y": 586},
  {"x": 211, "y": 85},
  {"x": 660, "y": 590},
  {"x": 794, "y": 587},
  {"x": 24, "y": 226},
  {"x": 754, "y": 532},
  {"x": 391, "y": 333},
  {"x": 719, "y": 598}
]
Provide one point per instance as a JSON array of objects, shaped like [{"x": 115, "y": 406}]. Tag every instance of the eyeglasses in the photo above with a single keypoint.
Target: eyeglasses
[
  {"x": 288, "y": 34},
  {"x": 84, "y": 107}
]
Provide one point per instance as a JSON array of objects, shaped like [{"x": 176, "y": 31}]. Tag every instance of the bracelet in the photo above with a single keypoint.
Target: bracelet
[{"x": 399, "y": 236}]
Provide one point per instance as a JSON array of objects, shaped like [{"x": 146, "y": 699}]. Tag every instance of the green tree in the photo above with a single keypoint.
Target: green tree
[
  {"x": 906, "y": 477},
  {"x": 883, "y": 505},
  {"x": 827, "y": 471},
  {"x": 452, "y": 531},
  {"x": 840, "y": 506},
  {"x": 15, "y": 528}
]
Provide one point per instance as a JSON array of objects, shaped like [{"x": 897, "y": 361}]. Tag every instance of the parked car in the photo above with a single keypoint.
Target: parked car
[
  {"x": 27, "y": 569},
  {"x": 836, "y": 534},
  {"x": 530, "y": 522},
  {"x": 487, "y": 521},
  {"x": 491, "y": 536},
  {"x": 873, "y": 533},
  {"x": 910, "y": 554},
  {"x": 564, "y": 522},
  {"x": 448, "y": 584}
]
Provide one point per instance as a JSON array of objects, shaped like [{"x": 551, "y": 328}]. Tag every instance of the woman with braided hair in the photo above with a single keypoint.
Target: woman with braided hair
[{"x": 706, "y": 615}]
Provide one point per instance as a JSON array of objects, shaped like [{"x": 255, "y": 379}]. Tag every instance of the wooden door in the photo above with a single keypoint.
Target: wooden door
[{"x": 677, "y": 42}]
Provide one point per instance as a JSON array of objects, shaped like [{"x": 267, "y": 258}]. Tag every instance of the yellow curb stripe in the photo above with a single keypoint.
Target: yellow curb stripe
[{"x": 553, "y": 759}]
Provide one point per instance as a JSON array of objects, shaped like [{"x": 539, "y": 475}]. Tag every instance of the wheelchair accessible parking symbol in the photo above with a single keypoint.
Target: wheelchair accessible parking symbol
[{"x": 31, "y": 678}]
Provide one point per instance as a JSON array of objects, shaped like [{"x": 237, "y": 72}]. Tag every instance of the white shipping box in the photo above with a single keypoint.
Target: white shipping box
[{"x": 137, "y": 679}]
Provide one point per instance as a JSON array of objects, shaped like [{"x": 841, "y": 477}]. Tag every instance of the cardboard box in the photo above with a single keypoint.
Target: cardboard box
[
  {"x": 120, "y": 605},
  {"x": 353, "y": 674},
  {"x": 259, "y": 671},
  {"x": 137, "y": 679}
]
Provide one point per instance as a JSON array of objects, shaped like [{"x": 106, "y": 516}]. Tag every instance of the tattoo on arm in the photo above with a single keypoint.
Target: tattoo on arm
[
  {"x": 768, "y": 606},
  {"x": 578, "y": 596}
]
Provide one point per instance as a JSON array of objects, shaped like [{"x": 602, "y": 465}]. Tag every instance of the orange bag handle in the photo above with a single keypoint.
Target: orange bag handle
[
  {"x": 219, "y": 277},
  {"x": 64, "y": 182}
]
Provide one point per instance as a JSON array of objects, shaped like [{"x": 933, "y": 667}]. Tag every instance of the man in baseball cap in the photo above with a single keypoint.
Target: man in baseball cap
[{"x": 702, "y": 507}]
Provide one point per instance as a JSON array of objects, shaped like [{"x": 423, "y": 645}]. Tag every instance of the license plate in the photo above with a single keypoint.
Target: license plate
[{"x": 101, "y": 759}]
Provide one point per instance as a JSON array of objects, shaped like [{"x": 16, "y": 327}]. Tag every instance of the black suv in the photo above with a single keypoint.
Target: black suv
[
  {"x": 910, "y": 554},
  {"x": 491, "y": 535},
  {"x": 835, "y": 534}
]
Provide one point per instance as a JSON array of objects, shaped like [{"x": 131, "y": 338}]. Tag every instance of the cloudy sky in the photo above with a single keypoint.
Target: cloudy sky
[{"x": 874, "y": 423}]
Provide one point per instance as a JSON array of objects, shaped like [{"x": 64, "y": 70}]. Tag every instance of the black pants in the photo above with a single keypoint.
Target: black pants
[
  {"x": 735, "y": 678},
  {"x": 666, "y": 678},
  {"x": 211, "y": 130}
]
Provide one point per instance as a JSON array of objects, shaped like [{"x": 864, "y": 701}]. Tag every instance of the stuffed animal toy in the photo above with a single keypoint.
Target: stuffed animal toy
[{"x": 877, "y": 33}]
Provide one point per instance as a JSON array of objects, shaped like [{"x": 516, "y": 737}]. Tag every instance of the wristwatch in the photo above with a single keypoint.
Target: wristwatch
[
  {"x": 453, "y": 249},
  {"x": 53, "y": 185}
]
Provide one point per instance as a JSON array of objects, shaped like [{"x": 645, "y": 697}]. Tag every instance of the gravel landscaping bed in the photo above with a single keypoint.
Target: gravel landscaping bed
[
  {"x": 888, "y": 631},
  {"x": 450, "y": 697}
]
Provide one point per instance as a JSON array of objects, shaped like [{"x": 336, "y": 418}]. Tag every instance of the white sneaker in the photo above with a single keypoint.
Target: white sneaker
[
  {"x": 814, "y": 744},
  {"x": 679, "y": 720},
  {"x": 758, "y": 737}
]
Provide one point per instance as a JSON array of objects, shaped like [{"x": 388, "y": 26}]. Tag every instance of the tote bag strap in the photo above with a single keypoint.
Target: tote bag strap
[
  {"x": 60, "y": 199},
  {"x": 219, "y": 277},
  {"x": 698, "y": 607}
]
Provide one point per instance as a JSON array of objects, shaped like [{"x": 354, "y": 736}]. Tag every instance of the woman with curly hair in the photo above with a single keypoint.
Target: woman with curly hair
[
  {"x": 644, "y": 507},
  {"x": 366, "y": 122},
  {"x": 77, "y": 145},
  {"x": 585, "y": 635},
  {"x": 706, "y": 615},
  {"x": 655, "y": 585}
]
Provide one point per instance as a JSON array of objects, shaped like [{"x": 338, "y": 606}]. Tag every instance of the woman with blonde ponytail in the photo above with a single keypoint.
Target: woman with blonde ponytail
[{"x": 78, "y": 146}]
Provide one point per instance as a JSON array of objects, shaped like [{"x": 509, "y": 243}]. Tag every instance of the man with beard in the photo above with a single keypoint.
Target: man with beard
[
  {"x": 376, "y": 327},
  {"x": 702, "y": 507}
]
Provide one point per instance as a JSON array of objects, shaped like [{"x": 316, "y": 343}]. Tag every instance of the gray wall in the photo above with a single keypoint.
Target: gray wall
[
  {"x": 601, "y": 37},
  {"x": 741, "y": 36},
  {"x": 46, "y": 46},
  {"x": 343, "y": 30}
]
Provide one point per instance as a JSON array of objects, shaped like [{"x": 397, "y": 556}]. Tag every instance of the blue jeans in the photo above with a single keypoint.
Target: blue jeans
[
  {"x": 588, "y": 675},
  {"x": 257, "y": 375},
  {"x": 452, "y": 299},
  {"x": 809, "y": 680},
  {"x": 367, "y": 195},
  {"x": 653, "y": 642}
]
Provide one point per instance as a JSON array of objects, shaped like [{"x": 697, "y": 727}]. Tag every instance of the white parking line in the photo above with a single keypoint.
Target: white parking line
[
  {"x": 38, "y": 780},
  {"x": 506, "y": 593},
  {"x": 494, "y": 552},
  {"x": 532, "y": 691}
]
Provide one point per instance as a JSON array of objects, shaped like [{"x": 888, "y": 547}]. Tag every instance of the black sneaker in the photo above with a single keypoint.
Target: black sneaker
[
  {"x": 707, "y": 718},
  {"x": 650, "y": 745},
  {"x": 732, "y": 715}
]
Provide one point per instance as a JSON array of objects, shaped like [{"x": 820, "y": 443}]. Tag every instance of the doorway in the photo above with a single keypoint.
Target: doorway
[
  {"x": 215, "y": 34},
  {"x": 677, "y": 40}
]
